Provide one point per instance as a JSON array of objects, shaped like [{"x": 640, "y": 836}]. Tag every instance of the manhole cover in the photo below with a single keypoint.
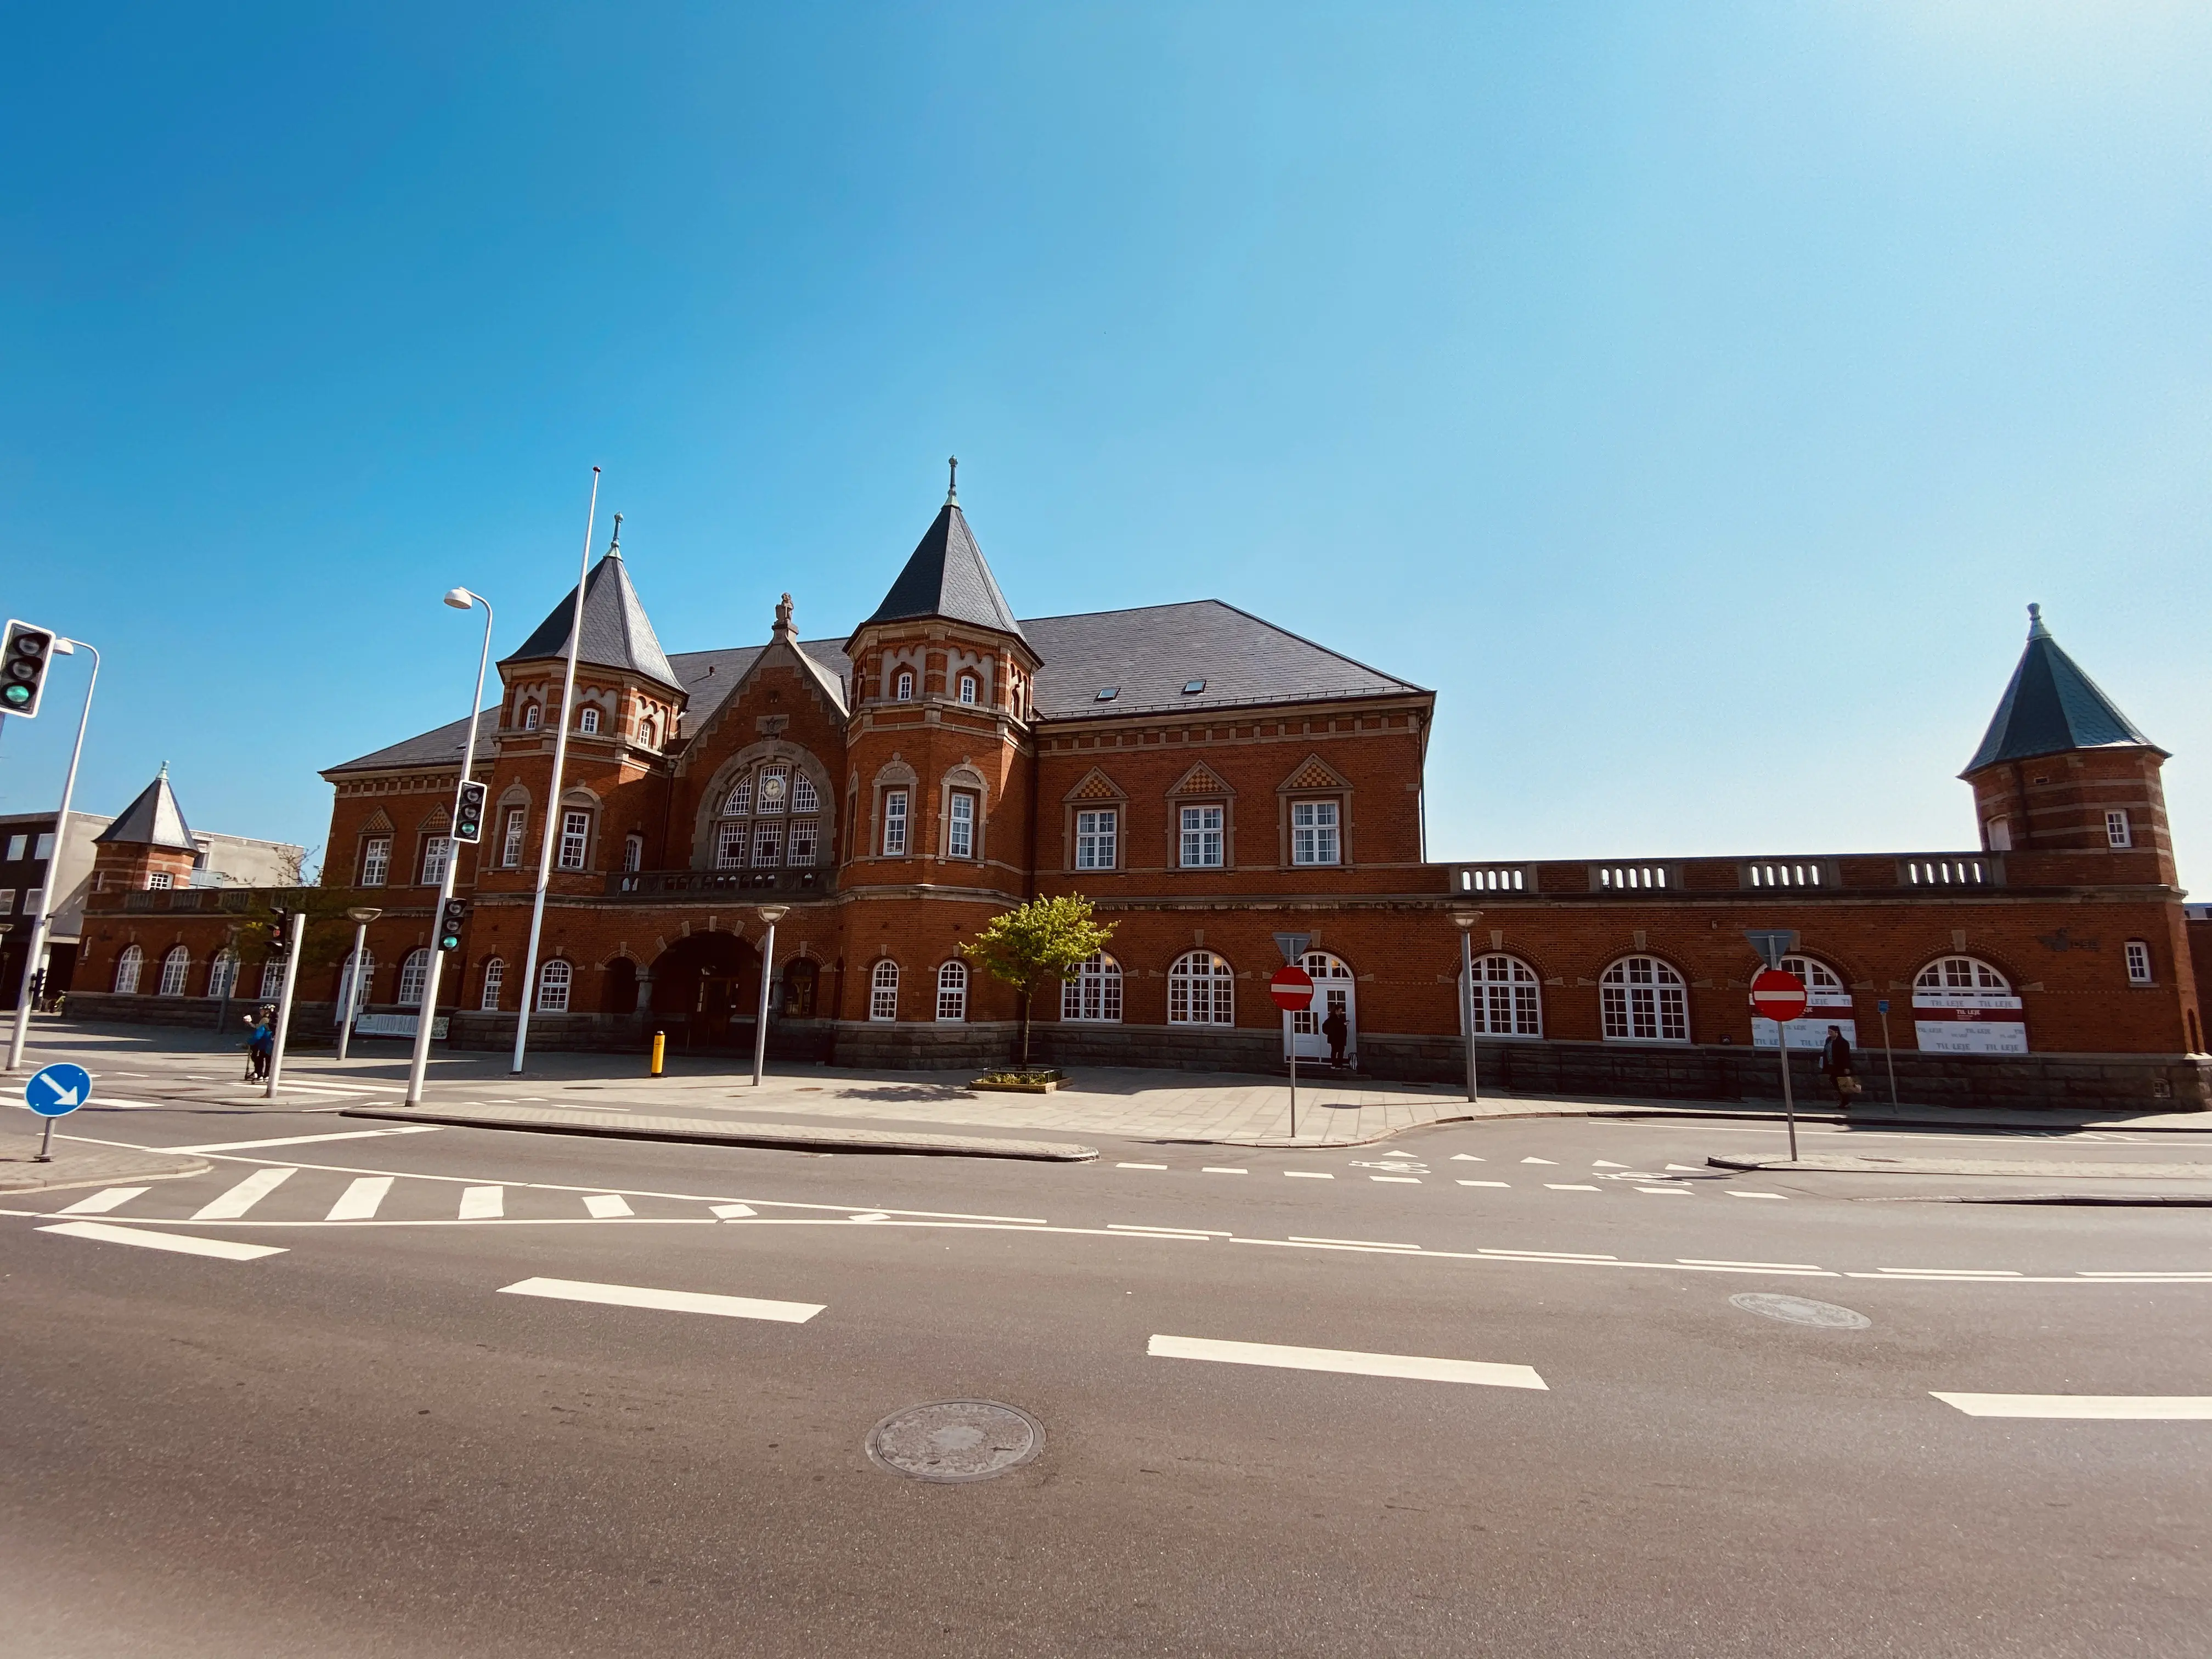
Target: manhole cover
[
  {"x": 956, "y": 1440},
  {"x": 1801, "y": 1311}
]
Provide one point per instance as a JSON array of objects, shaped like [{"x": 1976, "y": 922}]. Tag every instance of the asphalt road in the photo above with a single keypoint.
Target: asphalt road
[{"x": 361, "y": 1446}]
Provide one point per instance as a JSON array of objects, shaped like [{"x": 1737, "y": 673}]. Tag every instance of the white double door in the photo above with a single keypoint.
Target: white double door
[{"x": 1332, "y": 992}]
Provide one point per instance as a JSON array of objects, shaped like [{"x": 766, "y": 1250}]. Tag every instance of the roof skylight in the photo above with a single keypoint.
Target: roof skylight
[
  {"x": 1107, "y": 693},
  {"x": 1191, "y": 687}
]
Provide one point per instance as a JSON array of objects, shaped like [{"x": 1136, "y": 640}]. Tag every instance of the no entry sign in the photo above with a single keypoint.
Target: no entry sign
[
  {"x": 1292, "y": 988},
  {"x": 1778, "y": 996}
]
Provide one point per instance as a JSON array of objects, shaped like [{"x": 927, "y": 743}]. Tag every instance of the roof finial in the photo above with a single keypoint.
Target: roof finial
[
  {"x": 2036, "y": 630},
  {"x": 784, "y": 630},
  {"x": 164, "y": 776},
  {"x": 614, "y": 547},
  {"x": 952, "y": 486}
]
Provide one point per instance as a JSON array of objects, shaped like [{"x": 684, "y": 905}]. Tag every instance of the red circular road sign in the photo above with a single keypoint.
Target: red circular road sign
[
  {"x": 1292, "y": 988},
  {"x": 1778, "y": 996}
]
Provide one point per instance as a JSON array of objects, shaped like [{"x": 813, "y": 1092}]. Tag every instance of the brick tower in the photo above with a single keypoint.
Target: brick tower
[{"x": 149, "y": 846}]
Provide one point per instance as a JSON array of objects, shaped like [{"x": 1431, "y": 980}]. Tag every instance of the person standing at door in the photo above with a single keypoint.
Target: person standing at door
[{"x": 1338, "y": 1030}]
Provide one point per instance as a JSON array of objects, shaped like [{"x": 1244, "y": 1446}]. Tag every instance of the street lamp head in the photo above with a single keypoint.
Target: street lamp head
[
  {"x": 1464, "y": 920},
  {"x": 772, "y": 914},
  {"x": 363, "y": 914},
  {"x": 460, "y": 599}
]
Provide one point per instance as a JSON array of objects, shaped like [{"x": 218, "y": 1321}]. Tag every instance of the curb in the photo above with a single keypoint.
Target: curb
[
  {"x": 2126, "y": 1200},
  {"x": 2006, "y": 1125},
  {"x": 169, "y": 1169},
  {"x": 705, "y": 1132},
  {"x": 1978, "y": 1168}
]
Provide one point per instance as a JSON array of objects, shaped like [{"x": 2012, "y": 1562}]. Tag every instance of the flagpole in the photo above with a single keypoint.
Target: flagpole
[{"x": 553, "y": 800}]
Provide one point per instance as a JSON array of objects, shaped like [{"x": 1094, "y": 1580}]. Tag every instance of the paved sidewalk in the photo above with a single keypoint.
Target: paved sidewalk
[
  {"x": 728, "y": 1130},
  {"x": 1829, "y": 1164},
  {"x": 78, "y": 1164}
]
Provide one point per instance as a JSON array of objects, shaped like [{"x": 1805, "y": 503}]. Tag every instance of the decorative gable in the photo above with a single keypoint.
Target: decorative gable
[
  {"x": 1200, "y": 780},
  {"x": 1095, "y": 786},
  {"x": 377, "y": 824},
  {"x": 1313, "y": 773}
]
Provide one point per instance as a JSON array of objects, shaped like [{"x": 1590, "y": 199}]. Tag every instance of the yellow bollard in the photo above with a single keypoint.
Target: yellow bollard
[{"x": 660, "y": 1049}]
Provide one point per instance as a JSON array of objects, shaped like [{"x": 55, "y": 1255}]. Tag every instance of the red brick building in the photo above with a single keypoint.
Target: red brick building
[{"x": 1209, "y": 780}]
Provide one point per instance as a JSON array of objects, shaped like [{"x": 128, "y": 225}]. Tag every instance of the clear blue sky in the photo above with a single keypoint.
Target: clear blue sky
[{"x": 1693, "y": 395}]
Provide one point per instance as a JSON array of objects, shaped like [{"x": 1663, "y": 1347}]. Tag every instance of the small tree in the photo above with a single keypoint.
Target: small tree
[{"x": 1042, "y": 942}]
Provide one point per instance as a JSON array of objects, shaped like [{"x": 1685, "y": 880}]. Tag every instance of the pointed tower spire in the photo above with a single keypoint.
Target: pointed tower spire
[
  {"x": 945, "y": 576},
  {"x": 2051, "y": 706},
  {"x": 153, "y": 819},
  {"x": 614, "y": 546},
  {"x": 953, "y": 484},
  {"x": 617, "y": 634}
]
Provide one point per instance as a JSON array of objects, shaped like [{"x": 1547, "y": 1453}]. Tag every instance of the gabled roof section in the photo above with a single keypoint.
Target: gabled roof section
[
  {"x": 153, "y": 819},
  {"x": 2051, "y": 707},
  {"x": 617, "y": 634},
  {"x": 945, "y": 576},
  {"x": 1149, "y": 654}
]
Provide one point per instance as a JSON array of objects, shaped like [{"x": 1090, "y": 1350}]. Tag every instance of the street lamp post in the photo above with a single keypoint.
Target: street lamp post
[
  {"x": 361, "y": 916},
  {"x": 770, "y": 914},
  {"x": 41, "y": 921},
  {"x": 460, "y": 599},
  {"x": 1464, "y": 921}
]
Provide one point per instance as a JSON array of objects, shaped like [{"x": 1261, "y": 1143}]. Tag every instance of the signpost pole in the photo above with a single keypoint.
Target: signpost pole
[
  {"x": 1284, "y": 990},
  {"x": 770, "y": 914},
  {"x": 284, "y": 1003},
  {"x": 1888, "y": 1054},
  {"x": 46, "y": 1143},
  {"x": 1789, "y": 1105}
]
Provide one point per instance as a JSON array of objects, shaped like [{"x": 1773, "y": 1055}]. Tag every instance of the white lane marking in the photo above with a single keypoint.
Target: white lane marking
[
  {"x": 360, "y": 1202},
  {"x": 104, "y": 1200},
  {"x": 1308, "y": 1174},
  {"x": 1539, "y": 1160},
  {"x": 1403, "y": 1181},
  {"x": 2110, "y": 1408},
  {"x": 1180, "y": 1232},
  {"x": 1486, "y": 1183},
  {"x": 477, "y": 1203},
  {"x": 1970, "y": 1273},
  {"x": 244, "y": 1196},
  {"x": 604, "y": 1205},
  {"x": 1667, "y": 1192},
  {"x": 1684, "y": 1169},
  {"x": 1466, "y": 1158},
  {"x": 1569, "y": 1186},
  {"x": 1738, "y": 1192},
  {"x": 303, "y": 1140},
  {"x": 1140, "y": 1166},
  {"x": 731, "y": 1211},
  {"x": 1364, "y": 1244},
  {"x": 872, "y": 1215},
  {"x": 1415, "y": 1366},
  {"x": 182, "y": 1243},
  {"x": 641, "y": 1296},
  {"x": 1550, "y": 1255},
  {"x": 1215, "y": 1169},
  {"x": 1608, "y": 1163},
  {"x": 1785, "y": 1266}
]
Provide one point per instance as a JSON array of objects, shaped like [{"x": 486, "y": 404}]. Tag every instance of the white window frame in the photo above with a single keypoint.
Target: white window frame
[
  {"x": 1203, "y": 831},
  {"x": 159, "y": 882},
  {"x": 952, "y": 993},
  {"x": 805, "y": 798},
  {"x": 633, "y": 853},
  {"x": 510, "y": 850},
  {"x": 495, "y": 978},
  {"x": 1201, "y": 990},
  {"x": 556, "y": 979},
  {"x": 176, "y": 967},
  {"x": 2137, "y": 951},
  {"x": 16, "y": 847},
  {"x": 967, "y": 688},
  {"x": 437, "y": 850},
  {"x": 587, "y": 720},
  {"x": 1091, "y": 995},
  {"x": 2119, "y": 833},
  {"x": 894, "y": 823},
  {"x": 960, "y": 824},
  {"x": 128, "y": 965},
  {"x": 1508, "y": 998},
  {"x": 222, "y": 975},
  {"x": 805, "y": 845},
  {"x": 529, "y": 717},
  {"x": 1316, "y": 831},
  {"x": 902, "y": 686},
  {"x": 414, "y": 976},
  {"x": 882, "y": 990},
  {"x": 732, "y": 843},
  {"x": 1098, "y": 837},
  {"x": 740, "y": 803},
  {"x": 1644, "y": 999},
  {"x": 43, "y": 847},
  {"x": 375, "y": 861},
  {"x": 768, "y": 846},
  {"x": 575, "y": 836},
  {"x": 7, "y": 901}
]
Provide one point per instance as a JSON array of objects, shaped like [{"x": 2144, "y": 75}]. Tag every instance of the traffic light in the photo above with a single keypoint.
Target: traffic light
[
  {"x": 27, "y": 654},
  {"x": 450, "y": 919},
  {"x": 468, "y": 813},
  {"x": 280, "y": 934}
]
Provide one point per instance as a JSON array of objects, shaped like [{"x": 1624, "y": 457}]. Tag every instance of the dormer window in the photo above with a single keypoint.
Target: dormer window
[
  {"x": 588, "y": 721},
  {"x": 968, "y": 687},
  {"x": 529, "y": 717},
  {"x": 1192, "y": 688},
  {"x": 1107, "y": 693},
  {"x": 903, "y": 690}
]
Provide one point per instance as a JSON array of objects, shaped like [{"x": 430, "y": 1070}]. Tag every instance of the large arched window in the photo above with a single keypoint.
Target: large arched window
[
  {"x": 1966, "y": 977},
  {"x": 1645, "y": 1000},
  {"x": 1508, "y": 997},
  {"x": 127, "y": 969},
  {"x": 176, "y": 962},
  {"x": 554, "y": 980},
  {"x": 1201, "y": 990},
  {"x": 1093, "y": 992},
  {"x": 494, "y": 976},
  {"x": 883, "y": 992},
  {"x": 223, "y": 973},
  {"x": 1962, "y": 1005},
  {"x": 952, "y": 992},
  {"x": 768, "y": 820},
  {"x": 413, "y": 972}
]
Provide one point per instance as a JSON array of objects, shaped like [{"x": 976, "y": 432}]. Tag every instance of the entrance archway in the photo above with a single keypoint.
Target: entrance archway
[
  {"x": 710, "y": 983},
  {"x": 1335, "y": 989}
]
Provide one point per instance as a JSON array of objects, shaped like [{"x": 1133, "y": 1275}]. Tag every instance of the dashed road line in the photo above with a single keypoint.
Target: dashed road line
[
  {"x": 1486, "y": 1183},
  {"x": 1308, "y": 1174},
  {"x": 1403, "y": 1181},
  {"x": 1571, "y": 1187},
  {"x": 1364, "y": 1244},
  {"x": 2108, "y": 1407},
  {"x": 1213, "y": 1168},
  {"x": 1738, "y": 1192},
  {"x": 178, "y": 1243},
  {"x": 1416, "y": 1367},
  {"x": 642, "y": 1296},
  {"x": 1140, "y": 1166}
]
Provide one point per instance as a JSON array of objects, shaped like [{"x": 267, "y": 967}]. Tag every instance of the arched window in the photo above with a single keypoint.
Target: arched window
[
  {"x": 223, "y": 973},
  {"x": 774, "y": 789},
  {"x": 883, "y": 992},
  {"x": 1645, "y": 1000},
  {"x": 1508, "y": 999},
  {"x": 952, "y": 991},
  {"x": 800, "y": 979},
  {"x": 588, "y": 720},
  {"x": 554, "y": 979},
  {"x": 646, "y": 732},
  {"x": 272, "y": 979},
  {"x": 413, "y": 972},
  {"x": 127, "y": 967},
  {"x": 1964, "y": 976},
  {"x": 904, "y": 690},
  {"x": 176, "y": 961},
  {"x": 967, "y": 688},
  {"x": 1094, "y": 991},
  {"x": 802, "y": 798},
  {"x": 1202, "y": 991},
  {"x": 494, "y": 976},
  {"x": 633, "y": 852},
  {"x": 347, "y": 982},
  {"x": 529, "y": 717},
  {"x": 1962, "y": 1005}
]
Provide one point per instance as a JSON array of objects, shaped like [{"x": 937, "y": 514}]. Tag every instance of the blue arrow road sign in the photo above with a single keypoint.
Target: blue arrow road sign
[{"x": 57, "y": 1090}]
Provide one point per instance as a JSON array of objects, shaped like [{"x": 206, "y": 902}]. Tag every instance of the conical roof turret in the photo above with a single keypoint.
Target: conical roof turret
[
  {"x": 617, "y": 634},
  {"x": 945, "y": 576},
  {"x": 153, "y": 819},
  {"x": 2051, "y": 707}
]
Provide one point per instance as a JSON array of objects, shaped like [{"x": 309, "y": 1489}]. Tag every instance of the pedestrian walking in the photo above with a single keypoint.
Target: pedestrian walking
[
  {"x": 1836, "y": 1066},
  {"x": 1338, "y": 1030},
  {"x": 260, "y": 1042}
]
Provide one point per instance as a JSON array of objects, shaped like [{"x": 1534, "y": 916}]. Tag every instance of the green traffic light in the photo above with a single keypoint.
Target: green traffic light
[{"x": 15, "y": 695}]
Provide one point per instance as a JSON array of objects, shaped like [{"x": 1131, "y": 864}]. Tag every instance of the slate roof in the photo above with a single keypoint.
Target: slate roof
[
  {"x": 945, "y": 576},
  {"x": 2051, "y": 707},
  {"x": 617, "y": 634},
  {"x": 153, "y": 819}
]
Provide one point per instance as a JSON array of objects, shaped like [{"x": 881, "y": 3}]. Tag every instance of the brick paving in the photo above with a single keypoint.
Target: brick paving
[{"x": 78, "y": 1164}]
